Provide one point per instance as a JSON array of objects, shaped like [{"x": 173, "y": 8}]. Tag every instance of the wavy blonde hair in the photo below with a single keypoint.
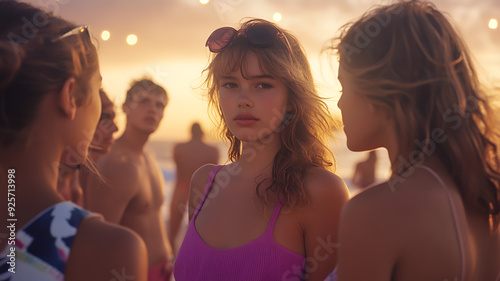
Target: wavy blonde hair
[
  {"x": 303, "y": 134},
  {"x": 408, "y": 59}
]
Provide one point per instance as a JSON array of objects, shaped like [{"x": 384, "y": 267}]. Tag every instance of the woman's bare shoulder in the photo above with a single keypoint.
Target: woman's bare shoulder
[
  {"x": 321, "y": 185},
  {"x": 198, "y": 183},
  {"x": 200, "y": 177},
  {"x": 103, "y": 251},
  {"x": 326, "y": 193},
  {"x": 399, "y": 200}
]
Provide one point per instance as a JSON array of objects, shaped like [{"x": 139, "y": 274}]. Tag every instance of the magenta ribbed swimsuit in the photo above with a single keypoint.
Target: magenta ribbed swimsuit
[{"x": 261, "y": 259}]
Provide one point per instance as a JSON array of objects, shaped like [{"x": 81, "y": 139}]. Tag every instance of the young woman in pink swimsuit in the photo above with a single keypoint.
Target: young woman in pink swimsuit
[
  {"x": 272, "y": 213},
  {"x": 409, "y": 85}
]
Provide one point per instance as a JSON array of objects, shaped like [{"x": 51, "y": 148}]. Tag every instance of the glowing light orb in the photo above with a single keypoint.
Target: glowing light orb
[
  {"x": 204, "y": 1},
  {"x": 131, "y": 39},
  {"x": 493, "y": 24},
  {"x": 277, "y": 17},
  {"x": 105, "y": 35}
]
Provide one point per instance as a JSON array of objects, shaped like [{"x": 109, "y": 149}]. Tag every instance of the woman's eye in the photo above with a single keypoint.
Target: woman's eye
[
  {"x": 264, "y": 86},
  {"x": 229, "y": 85}
]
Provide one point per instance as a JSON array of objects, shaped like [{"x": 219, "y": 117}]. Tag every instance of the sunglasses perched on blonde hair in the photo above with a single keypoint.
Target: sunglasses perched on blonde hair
[
  {"x": 82, "y": 30},
  {"x": 259, "y": 35}
]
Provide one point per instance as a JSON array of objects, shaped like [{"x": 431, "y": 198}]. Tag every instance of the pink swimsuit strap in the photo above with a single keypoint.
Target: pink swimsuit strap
[{"x": 211, "y": 178}]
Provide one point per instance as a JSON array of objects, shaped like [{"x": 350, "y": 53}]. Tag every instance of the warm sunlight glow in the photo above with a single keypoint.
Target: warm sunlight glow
[
  {"x": 277, "y": 17},
  {"x": 131, "y": 39},
  {"x": 204, "y": 1},
  {"x": 493, "y": 24},
  {"x": 105, "y": 35}
]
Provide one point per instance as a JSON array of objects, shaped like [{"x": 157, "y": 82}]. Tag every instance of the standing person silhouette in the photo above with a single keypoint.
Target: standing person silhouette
[
  {"x": 188, "y": 157},
  {"x": 272, "y": 213},
  {"x": 413, "y": 89},
  {"x": 50, "y": 105}
]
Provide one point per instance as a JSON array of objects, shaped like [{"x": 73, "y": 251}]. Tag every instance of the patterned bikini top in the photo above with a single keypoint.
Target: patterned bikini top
[{"x": 40, "y": 249}]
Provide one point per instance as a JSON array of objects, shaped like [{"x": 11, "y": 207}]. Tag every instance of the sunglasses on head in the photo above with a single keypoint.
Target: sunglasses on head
[
  {"x": 258, "y": 35},
  {"x": 81, "y": 30}
]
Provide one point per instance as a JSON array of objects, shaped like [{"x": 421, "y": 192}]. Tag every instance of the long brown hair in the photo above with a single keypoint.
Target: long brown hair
[
  {"x": 408, "y": 59},
  {"x": 307, "y": 125},
  {"x": 33, "y": 64}
]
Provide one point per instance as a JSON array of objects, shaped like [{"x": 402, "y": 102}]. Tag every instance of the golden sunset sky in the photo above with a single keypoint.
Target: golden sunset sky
[{"x": 171, "y": 35}]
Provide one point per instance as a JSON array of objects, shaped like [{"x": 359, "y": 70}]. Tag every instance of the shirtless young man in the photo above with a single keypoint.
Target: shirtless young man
[
  {"x": 131, "y": 191},
  {"x": 188, "y": 157}
]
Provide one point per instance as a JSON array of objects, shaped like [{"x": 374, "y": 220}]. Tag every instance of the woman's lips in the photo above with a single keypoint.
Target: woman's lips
[{"x": 245, "y": 120}]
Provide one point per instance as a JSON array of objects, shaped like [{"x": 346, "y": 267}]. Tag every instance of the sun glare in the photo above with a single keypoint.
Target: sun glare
[{"x": 204, "y": 1}]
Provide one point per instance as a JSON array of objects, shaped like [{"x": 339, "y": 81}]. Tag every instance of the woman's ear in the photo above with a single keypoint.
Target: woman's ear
[{"x": 66, "y": 98}]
